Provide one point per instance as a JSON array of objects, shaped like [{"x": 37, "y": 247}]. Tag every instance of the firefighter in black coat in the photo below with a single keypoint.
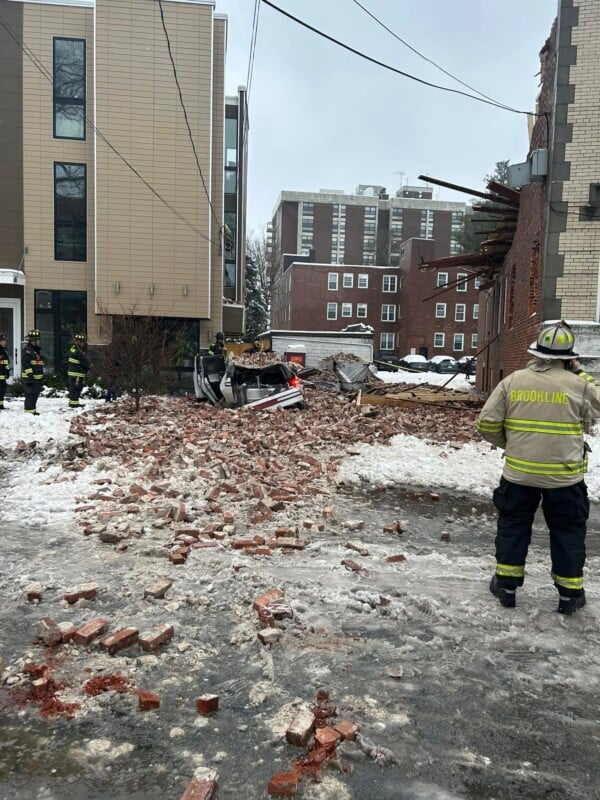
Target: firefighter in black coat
[
  {"x": 4, "y": 369},
  {"x": 79, "y": 366},
  {"x": 32, "y": 372}
]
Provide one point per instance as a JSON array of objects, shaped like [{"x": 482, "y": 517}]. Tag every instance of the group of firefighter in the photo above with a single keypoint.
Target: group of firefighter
[
  {"x": 32, "y": 370},
  {"x": 538, "y": 415}
]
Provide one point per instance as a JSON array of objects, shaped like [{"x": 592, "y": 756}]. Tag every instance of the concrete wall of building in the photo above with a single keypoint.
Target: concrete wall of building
[
  {"x": 11, "y": 137},
  {"x": 419, "y": 297},
  {"x": 145, "y": 255},
  {"x": 41, "y": 23}
]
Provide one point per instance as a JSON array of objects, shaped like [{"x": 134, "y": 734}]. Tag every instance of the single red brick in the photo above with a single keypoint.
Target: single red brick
[
  {"x": 120, "y": 640},
  {"x": 177, "y": 558},
  {"x": 301, "y": 728},
  {"x": 48, "y": 631},
  {"x": 39, "y": 686},
  {"x": 202, "y": 786},
  {"x": 68, "y": 631},
  {"x": 207, "y": 704},
  {"x": 228, "y": 517},
  {"x": 31, "y": 596},
  {"x": 152, "y": 639},
  {"x": 328, "y": 737},
  {"x": 267, "y": 599},
  {"x": 91, "y": 631},
  {"x": 395, "y": 559},
  {"x": 242, "y": 544},
  {"x": 148, "y": 700},
  {"x": 87, "y": 591},
  {"x": 158, "y": 589},
  {"x": 283, "y": 784},
  {"x": 347, "y": 730},
  {"x": 262, "y": 551}
]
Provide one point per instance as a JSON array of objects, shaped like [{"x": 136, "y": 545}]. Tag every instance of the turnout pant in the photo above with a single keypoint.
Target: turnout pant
[
  {"x": 32, "y": 391},
  {"x": 75, "y": 387},
  {"x": 566, "y": 510},
  {"x": 2, "y": 391}
]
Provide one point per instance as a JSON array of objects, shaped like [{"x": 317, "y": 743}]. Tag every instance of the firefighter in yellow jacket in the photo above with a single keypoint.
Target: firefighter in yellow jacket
[
  {"x": 78, "y": 368},
  {"x": 538, "y": 416}
]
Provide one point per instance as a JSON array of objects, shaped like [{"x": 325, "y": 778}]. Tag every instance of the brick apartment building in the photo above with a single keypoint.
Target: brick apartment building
[
  {"x": 364, "y": 228},
  {"x": 354, "y": 242},
  {"x": 102, "y": 208},
  {"x": 440, "y": 309}
]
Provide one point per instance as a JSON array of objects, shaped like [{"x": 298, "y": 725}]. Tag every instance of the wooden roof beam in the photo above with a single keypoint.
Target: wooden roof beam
[{"x": 485, "y": 195}]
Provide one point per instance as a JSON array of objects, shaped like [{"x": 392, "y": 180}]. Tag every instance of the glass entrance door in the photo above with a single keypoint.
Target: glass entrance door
[{"x": 10, "y": 325}]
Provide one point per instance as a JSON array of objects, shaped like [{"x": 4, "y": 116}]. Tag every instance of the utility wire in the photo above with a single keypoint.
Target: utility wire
[
  {"x": 46, "y": 74},
  {"x": 185, "y": 114},
  {"x": 253, "y": 39},
  {"x": 429, "y": 60},
  {"x": 394, "y": 69}
]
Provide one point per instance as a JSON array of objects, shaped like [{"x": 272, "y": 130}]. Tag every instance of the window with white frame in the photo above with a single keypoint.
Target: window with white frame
[
  {"x": 442, "y": 279},
  {"x": 459, "y": 341},
  {"x": 332, "y": 281},
  {"x": 346, "y": 309},
  {"x": 348, "y": 281},
  {"x": 363, "y": 281},
  {"x": 368, "y": 259},
  {"x": 460, "y": 312},
  {"x": 474, "y": 341},
  {"x": 440, "y": 310},
  {"x": 475, "y": 310},
  {"x": 361, "y": 310},
  {"x": 439, "y": 339},
  {"x": 370, "y": 212},
  {"x": 390, "y": 283},
  {"x": 332, "y": 310},
  {"x": 476, "y": 283},
  {"x": 388, "y": 312},
  {"x": 461, "y": 281},
  {"x": 387, "y": 341}
]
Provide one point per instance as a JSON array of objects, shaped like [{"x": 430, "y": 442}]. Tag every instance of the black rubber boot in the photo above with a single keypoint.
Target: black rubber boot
[
  {"x": 507, "y": 597},
  {"x": 569, "y": 605}
]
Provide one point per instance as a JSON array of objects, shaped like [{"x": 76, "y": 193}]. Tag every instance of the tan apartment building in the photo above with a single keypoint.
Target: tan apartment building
[{"x": 106, "y": 206}]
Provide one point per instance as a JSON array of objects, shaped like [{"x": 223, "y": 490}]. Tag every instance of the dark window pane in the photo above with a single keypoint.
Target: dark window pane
[
  {"x": 230, "y": 181},
  {"x": 70, "y": 212},
  {"x": 69, "y": 88},
  {"x": 70, "y": 244},
  {"x": 230, "y": 142},
  {"x": 229, "y": 276}
]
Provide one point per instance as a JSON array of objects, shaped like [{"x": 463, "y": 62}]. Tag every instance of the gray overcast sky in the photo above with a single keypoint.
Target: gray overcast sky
[{"x": 320, "y": 117}]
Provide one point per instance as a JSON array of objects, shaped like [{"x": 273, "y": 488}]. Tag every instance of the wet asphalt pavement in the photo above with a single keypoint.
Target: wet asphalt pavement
[{"x": 456, "y": 697}]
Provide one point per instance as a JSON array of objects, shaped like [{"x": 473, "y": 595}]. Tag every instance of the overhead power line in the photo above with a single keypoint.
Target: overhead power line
[
  {"x": 253, "y": 39},
  {"x": 185, "y": 114},
  {"x": 394, "y": 69},
  {"x": 425, "y": 58},
  {"x": 46, "y": 74}
]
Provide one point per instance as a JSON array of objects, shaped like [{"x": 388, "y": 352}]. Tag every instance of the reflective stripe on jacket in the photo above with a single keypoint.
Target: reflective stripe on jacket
[
  {"x": 4, "y": 364},
  {"x": 33, "y": 364},
  {"x": 538, "y": 415},
  {"x": 78, "y": 363}
]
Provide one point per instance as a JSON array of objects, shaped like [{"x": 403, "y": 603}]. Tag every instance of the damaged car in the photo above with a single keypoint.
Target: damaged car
[{"x": 246, "y": 386}]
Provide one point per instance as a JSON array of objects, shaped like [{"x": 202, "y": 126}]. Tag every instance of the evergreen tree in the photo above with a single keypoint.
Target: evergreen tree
[
  {"x": 257, "y": 287},
  {"x": 476, "y": 226}
]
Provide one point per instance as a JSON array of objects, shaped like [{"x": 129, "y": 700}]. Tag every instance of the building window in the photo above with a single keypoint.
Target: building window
[
  {"x": 348, "y": 281},
  {"x": 331, "y": 310},
  {"x": 370, "y": 212},
  {"x": 439, "y": 339},
  {"x": 231, "y": 130},
  {"x": 57, "y": 316},
  {"x": 459, "y": 341},
  {"x": 460, "y": 312},
  {"x": 363, "y": 281},
  {"x": 426, "y": 230},
  {"x": 476, "y": 283},
  {"x": 440, "y": 310},
  {"x": 334, "y": 258},
  {"x": 387, "y": 341},
  {"x": 368, "y": 243},
  {"x": 332, "y": 281},
  {"x": 461, "y": 282},
  {"x": 442, "y": 279},
  {"x": 307, "y": 224},
  {"x": 69, "y": 88},
  {"x": 368, "y": 259},
  {"x": 390, "y": 283},
  {"x": 361, "y": 310},
  {"x": 229, "y": 275},
  {"x": 388, "y": 312},
  {"x": 369, "y": 227},
  {"x": 70, "y": 212},
  {"x": 308, "y": 208},
  {"x": 474, "y": 340},
  {"x": 346, "y": 309},
  {"x": 396, "y": 213},
  {"x": 475, "y": 310}
]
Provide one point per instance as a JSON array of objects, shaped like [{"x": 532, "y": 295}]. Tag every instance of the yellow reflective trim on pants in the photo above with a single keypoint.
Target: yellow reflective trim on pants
[
  {"x": 510, "y": 571},
  {"x": 568, "y": 583},
  {"x": 543, "y": 426},
  {"x": 540, "y": 468}
]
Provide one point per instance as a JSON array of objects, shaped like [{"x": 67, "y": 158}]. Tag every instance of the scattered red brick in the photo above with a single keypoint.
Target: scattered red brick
[
  {"x": 207, "y": 704},
  {"x": 396, "y": 559},
  {"x": 152, "y": 639},
  {"x": 301, "y": 728},
  {"x": 48, "y": 631},
  {"x": 159, "y": 589},
  {"x": 120, "y": 640},
  {"x": 148, "y": 701},
  {"x": 267, "y": 599},
  {"x": 90, "y": 631},
  {"x": 347, "y": 730},
  {"x": 203, "y": 785},
  {"x": 107, "y": 683},
  {"x": 283, "y": 784},
  {"x": 327, "y": 737}
]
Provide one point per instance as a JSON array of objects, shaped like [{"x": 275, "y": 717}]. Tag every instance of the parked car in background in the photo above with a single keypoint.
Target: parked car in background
[
  {"x": 443, "y": 364},
  {"x": 386, "y": 361},
  {"x": 241, "y": 386},
  {"x": 468, "y": 365},
  {"x": 414, "y": 362}
]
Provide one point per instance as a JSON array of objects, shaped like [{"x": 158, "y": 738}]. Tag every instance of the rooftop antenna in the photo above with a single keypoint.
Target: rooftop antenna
[{"x": 402, "y": 174}]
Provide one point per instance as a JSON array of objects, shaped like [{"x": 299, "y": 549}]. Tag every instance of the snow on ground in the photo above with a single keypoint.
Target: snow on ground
[{"x": 459, "y": 382}]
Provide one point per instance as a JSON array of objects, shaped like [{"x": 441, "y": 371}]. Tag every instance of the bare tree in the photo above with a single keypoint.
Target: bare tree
[
  {"x": 258, "y": 286},
  {"x": 142, "y": 352}
]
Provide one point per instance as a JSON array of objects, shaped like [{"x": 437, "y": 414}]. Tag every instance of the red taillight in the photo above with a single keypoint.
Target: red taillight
[{"x": 295, "y": 381}]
